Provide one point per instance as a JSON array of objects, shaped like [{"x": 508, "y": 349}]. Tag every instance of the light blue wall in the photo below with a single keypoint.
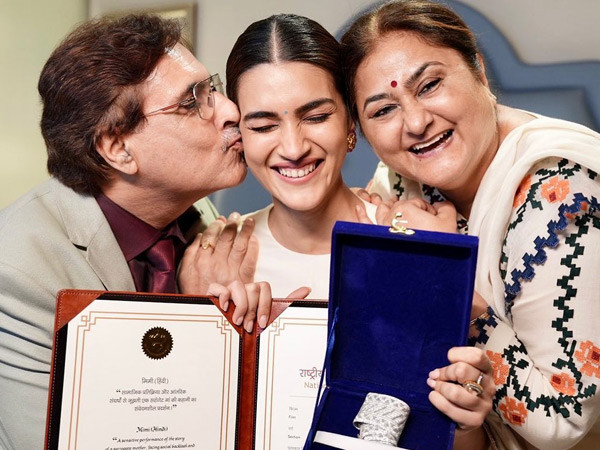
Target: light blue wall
[{"x": 541, "y": 31}]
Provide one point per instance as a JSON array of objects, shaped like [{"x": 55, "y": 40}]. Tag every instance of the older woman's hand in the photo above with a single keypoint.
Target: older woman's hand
[
  {"x": 219, "y": 255},
  {"x": 418, "y": 214},
  {"x": 456, "y": 393}
]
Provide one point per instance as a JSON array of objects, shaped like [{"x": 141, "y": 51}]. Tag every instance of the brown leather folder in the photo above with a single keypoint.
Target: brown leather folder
[{"x": 71, "y": 302}]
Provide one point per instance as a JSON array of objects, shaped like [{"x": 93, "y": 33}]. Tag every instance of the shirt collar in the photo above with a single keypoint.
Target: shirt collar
[{"x": 136, "y": 236}]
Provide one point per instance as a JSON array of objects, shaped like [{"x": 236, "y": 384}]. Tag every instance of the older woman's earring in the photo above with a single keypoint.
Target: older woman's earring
[{"x": 351, "y": 140}]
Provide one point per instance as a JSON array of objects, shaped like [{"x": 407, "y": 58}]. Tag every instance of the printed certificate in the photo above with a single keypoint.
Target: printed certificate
[
  {"x": 291, "y": 353},
  {"x": 142, "y": 371}
]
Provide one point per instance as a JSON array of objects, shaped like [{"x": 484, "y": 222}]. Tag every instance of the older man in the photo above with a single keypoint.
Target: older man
[{"x": 137, "y": 130}]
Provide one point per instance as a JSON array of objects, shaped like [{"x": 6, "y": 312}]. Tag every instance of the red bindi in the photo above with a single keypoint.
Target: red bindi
[{"x": 394, "y": 83}]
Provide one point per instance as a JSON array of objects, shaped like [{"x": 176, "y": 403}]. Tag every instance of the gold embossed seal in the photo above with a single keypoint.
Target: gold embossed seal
[{"x": 157, "y": 343}]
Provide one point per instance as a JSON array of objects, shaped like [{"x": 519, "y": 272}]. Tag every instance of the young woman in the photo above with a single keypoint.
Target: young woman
[
  {"x": 284, "y": 72},
  {"x": 527, "y": 185}
]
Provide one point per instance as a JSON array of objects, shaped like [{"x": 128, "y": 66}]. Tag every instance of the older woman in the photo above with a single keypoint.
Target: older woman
[{"x": 527, "y": 185}]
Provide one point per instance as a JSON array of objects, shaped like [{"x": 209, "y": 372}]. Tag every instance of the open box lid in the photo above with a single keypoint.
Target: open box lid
[{"x": 397, "y": 304}]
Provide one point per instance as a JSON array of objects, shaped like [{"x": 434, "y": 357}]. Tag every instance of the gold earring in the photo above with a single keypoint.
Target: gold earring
[{"x": 351, "y": 140}]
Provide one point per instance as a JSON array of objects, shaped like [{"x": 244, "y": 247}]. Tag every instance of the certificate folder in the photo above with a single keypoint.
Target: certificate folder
[
  {"x": 144, "y": 371},
  {"x": 398, "y": 303}
]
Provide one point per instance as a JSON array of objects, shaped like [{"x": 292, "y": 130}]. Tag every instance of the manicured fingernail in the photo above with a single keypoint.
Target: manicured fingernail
[
  {"x": 431, "y": 383},
  {"x": 262, "y": 321},
  {"x": 234, "y": 216},
  {"x": 249, "y": 326},
  {"x": 435, "y": 374},
  {"x": 239, "y": 320},
  {"x": 225, "y": 306},
  {"x": 249, "y": 220}
]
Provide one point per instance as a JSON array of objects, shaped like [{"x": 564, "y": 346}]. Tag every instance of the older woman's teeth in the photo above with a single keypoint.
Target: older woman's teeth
[
  {"x": 297, "y": 173},
  {"x": 426, "y": 146}
]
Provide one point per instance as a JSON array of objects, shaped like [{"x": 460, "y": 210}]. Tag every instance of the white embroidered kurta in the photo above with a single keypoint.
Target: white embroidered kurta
[{"x": 537, "y": 215}]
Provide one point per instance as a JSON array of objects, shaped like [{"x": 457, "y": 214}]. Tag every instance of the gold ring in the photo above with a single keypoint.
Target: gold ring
[
  {"x": 398, "y": 215},
  {"x": 473, "y": 386},
  {"x": 207, "y": 244},
  {"x": 479, "y": 378}
]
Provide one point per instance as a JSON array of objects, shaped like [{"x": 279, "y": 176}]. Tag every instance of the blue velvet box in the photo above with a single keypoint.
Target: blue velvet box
[{"x": 397, "y": 304}]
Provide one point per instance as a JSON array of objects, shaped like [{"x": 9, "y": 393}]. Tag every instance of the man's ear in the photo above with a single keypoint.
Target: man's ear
[{"x": 115, "y": 152}]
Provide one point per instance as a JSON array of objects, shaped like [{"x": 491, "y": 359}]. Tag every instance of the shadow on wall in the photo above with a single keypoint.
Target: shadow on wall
[{"x": 564, "y": 90}]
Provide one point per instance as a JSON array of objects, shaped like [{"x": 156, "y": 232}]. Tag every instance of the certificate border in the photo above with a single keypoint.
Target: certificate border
[
  {"x": 71, "y": 302},
  {"x": 56, "y": 390}
]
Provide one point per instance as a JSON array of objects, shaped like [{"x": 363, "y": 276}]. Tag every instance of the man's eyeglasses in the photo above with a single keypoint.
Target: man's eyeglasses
[{"x": 202, "y": 98}]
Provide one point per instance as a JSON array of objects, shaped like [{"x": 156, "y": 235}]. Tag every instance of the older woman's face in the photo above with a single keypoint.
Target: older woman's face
[
  {"x": 425, "y": 113},
  {"x": 294, "y": 126}
]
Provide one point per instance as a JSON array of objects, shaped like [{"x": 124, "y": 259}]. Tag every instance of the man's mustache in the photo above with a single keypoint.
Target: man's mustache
[{"x": 230, "y": 136}]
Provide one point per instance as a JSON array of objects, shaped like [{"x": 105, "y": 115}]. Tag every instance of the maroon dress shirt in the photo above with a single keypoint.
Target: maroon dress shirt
[{"x": 136, "y": 238}]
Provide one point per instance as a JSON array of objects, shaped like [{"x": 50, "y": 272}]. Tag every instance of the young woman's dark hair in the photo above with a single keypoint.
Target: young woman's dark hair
[
  {"x": 89, "y": 88},
  {"x": 434, "y": 22},
  {"x": 283, "y": 38}
]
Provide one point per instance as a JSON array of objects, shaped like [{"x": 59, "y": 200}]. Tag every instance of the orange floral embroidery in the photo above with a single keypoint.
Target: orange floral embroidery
[
  {"x": 514, "y": 411},
  {"x": 522, "y": 190},
  {"x": 500, "y": 369},
  {"x": 555, "y": 190},
  {"x": 589, "y": 355},
  {"x": 564, "y": 383}
]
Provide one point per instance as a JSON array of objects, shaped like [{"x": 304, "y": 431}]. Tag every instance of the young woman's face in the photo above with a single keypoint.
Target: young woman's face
[
  {"x": 294, "y": 127},
  {"x": 425, "y": 113}
]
